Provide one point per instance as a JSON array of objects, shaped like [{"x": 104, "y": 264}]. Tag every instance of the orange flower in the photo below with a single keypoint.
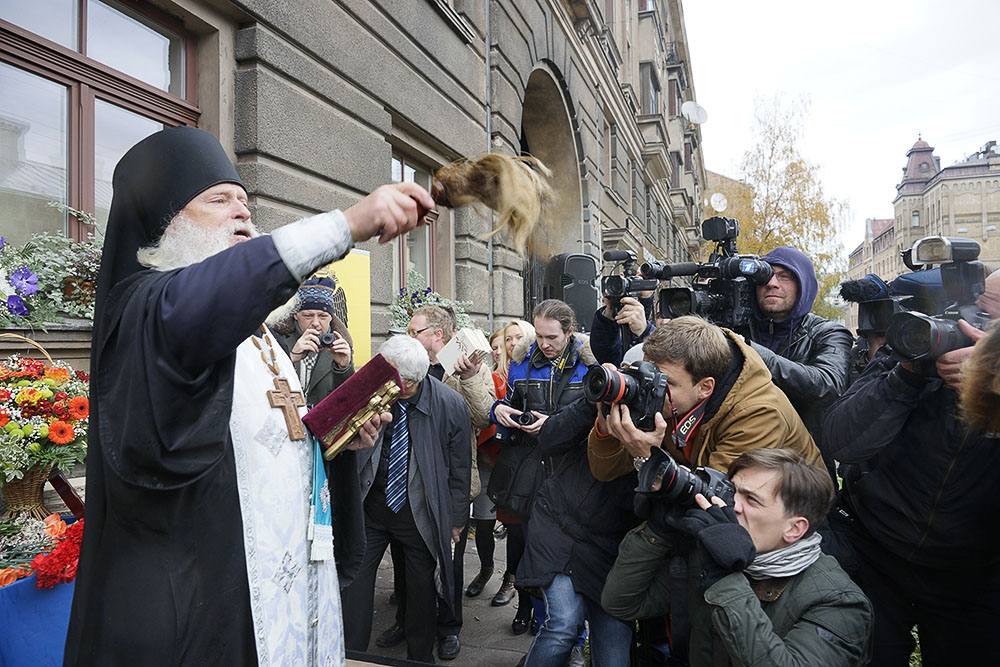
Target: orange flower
[
  {"x": 12, "y": 574},
  {"x": 59, "y": 375},
  {"x": 54, "y": 525},
  {"x": 61, "y": 433},
  {"x": 79, "y": 408}
]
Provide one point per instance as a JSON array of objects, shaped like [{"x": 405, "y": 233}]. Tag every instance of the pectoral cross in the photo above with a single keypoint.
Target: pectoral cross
[{"x": 289, "y": 401}]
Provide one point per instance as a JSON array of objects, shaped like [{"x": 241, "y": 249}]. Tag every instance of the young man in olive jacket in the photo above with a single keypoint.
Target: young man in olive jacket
[{"x": 759, "y": 590}]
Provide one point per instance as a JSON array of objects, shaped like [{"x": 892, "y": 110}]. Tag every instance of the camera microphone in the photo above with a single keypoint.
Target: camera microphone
[
  {"x": 617, "y": 255},
  {"x": 865, "y": 289}
]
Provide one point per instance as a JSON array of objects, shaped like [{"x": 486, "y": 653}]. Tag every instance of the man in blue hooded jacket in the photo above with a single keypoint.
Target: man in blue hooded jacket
[{"x": 808, "y": 356}]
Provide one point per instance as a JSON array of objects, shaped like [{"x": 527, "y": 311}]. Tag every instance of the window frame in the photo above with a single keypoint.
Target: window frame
[
  {"x": 649, "y": 89},
  {"x": 400, "y": 244},
  {"x": 88, "y": 80}
]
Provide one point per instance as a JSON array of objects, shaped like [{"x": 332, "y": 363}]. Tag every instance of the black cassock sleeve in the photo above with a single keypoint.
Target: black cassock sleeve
[{"x": 166, "y": 360}]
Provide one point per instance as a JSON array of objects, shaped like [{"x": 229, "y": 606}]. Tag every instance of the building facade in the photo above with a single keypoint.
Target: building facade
[
  {"x": 320, "y": 102},
  {"x": 961, "y": 200}
]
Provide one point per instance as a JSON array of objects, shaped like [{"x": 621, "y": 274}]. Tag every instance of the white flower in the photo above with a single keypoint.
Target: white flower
[{"x": 5, "y": 287}]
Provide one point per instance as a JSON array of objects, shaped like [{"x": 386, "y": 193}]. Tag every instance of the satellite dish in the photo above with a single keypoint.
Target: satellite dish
[
  {"x": 719, "y": 202},
  {"x": 694, "y": 113}
]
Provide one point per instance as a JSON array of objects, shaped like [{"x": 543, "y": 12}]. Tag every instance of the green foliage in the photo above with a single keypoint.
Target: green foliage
[{"x": 62, "y": 277}]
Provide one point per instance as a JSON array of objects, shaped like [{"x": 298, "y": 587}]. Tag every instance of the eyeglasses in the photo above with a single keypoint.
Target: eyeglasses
[
  {"x": 784, "y": 276},
  {"x": 413, "y": 334}
]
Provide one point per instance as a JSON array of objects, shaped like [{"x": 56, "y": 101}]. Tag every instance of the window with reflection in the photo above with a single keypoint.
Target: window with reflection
[
  {"x": 66, "y": 118},
  {"x": 415, "y": 250},
  {"x": 34, "y": 153}
]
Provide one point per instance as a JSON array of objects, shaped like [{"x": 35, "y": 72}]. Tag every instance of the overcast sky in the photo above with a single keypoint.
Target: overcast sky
[{"x": 875, "y": 72}]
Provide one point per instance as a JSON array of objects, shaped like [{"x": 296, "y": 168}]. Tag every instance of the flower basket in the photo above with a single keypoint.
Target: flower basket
[
  {"x": 25, "y": 494},
  {"x": 44, "y": 417}
]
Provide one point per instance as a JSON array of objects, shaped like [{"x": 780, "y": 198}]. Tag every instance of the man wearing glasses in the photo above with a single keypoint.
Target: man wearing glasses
[
  {"x": 433, "y": 327},
  {"x": 807, "y": 355}
]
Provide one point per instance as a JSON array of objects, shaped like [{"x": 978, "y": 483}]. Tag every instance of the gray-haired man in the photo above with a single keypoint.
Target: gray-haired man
[{"x": 415, "y": 482}]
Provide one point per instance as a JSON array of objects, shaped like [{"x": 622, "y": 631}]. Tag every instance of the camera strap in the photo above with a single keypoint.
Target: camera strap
[{"x": 686, "y": 428}]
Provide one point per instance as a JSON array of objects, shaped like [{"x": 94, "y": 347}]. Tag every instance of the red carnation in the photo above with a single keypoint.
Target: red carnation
[
  {"x": 60, "y": 396},
  {"x": 59, "y": 565}
]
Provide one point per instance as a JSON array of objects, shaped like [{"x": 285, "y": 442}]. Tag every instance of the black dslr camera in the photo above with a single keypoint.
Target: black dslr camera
[
  {"x": 624, "y": 282},
  {"x": 725, "y": 288},
  {"x": 525, "y": 419},
  {"x": 627, "y": 282},
  {"x": 327, "y": 339},
  {"x": 641, "y": 386},
  {"x": 916, "y": 336},
  {"x": 661, "y": 477}
]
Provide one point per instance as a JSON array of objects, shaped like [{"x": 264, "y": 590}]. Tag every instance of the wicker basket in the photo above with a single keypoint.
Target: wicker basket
[{"x": 25, "y": 494}]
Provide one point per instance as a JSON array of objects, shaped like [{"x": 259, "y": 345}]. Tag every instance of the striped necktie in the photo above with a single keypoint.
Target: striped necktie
[{"x": 399, "y": 454}]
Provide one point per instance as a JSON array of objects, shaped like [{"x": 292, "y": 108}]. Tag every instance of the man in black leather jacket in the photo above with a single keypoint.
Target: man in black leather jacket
[
  {"x": 808, "y": 356},
  {"x": 919, "y": 509}
]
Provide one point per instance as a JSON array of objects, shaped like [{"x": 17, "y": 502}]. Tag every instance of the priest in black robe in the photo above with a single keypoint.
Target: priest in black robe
[{"x": 181, "y": 561}]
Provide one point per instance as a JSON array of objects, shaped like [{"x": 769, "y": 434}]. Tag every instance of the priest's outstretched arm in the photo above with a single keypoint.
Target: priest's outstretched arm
[{"x": 209, "y": 308}]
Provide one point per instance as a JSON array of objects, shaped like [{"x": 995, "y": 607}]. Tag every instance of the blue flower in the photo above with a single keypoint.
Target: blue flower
[
  {"x": 24, "y": 281},
  {"x": 16, "y": 306},
  {"x": 1, "y": 243}
]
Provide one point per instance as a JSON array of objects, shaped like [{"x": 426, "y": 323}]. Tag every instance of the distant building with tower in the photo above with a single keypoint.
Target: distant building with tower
[{"x": 961, "y": 200}]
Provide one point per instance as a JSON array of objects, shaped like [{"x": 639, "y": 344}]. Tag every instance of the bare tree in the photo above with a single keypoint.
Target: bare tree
[{"x": 780, "y": 200}]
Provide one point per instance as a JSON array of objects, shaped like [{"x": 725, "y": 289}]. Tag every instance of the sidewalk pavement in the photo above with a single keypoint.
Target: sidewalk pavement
[{"x": 486, "y": 638}]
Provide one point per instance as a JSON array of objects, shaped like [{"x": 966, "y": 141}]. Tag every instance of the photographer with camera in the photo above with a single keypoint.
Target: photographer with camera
[
  {"x": 721, "y": 401},
  {"x": 767, "y": 299},
  {"x": 545, "y": 375},
  {"x": 919, "y": 507},
  {"x": 758, "y": 589},
  {"x": 320, "y": 345},
  {"x": 624, "y": 320},
  {"x": 808, "y": 356}
]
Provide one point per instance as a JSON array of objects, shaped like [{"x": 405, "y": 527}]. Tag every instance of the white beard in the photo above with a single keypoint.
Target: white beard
[{"x": 184, "y": 243}]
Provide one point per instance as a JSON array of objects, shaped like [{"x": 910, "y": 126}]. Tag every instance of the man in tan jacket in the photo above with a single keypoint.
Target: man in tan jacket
[
  {"x": 434, "y": 326},
  {"x": 723, "y": 398}
]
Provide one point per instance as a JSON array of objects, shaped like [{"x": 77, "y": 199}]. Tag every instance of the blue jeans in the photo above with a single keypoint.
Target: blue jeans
[{"x": 610, "y": 639}]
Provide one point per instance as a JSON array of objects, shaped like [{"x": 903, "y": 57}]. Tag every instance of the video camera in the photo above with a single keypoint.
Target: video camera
[
  {"x": 661, "y": 477},
  {"x": 640, "y": 386},
  {"x": 725, "y": 288},
  {"x": 627, "y": 282},
  {"x": 918, "y": 336}
]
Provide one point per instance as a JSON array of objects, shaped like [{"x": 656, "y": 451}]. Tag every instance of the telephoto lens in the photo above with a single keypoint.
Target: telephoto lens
[
  {"x": 602, "y": 385},
  {"x": 917, "y": 336},
  {"x": 525, "y": 419},
  {"x": 661, "y": 476}
]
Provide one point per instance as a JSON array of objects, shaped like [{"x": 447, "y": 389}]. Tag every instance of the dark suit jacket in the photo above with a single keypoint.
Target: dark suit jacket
[{"x": 438, "y": 474}]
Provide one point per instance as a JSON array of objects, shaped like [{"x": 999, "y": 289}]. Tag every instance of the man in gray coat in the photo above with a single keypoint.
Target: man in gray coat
[{"x": 415, "y": 483}]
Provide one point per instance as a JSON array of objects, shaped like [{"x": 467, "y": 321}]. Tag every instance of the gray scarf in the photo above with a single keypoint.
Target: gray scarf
[{"x": 787, "y": 561}]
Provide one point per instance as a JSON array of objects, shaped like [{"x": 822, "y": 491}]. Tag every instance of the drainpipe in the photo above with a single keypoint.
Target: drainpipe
[{"x": 489, "y": 137}]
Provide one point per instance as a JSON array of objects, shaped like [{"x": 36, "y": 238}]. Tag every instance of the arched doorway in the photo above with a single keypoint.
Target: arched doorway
[{"x": 549, "y": 131}]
